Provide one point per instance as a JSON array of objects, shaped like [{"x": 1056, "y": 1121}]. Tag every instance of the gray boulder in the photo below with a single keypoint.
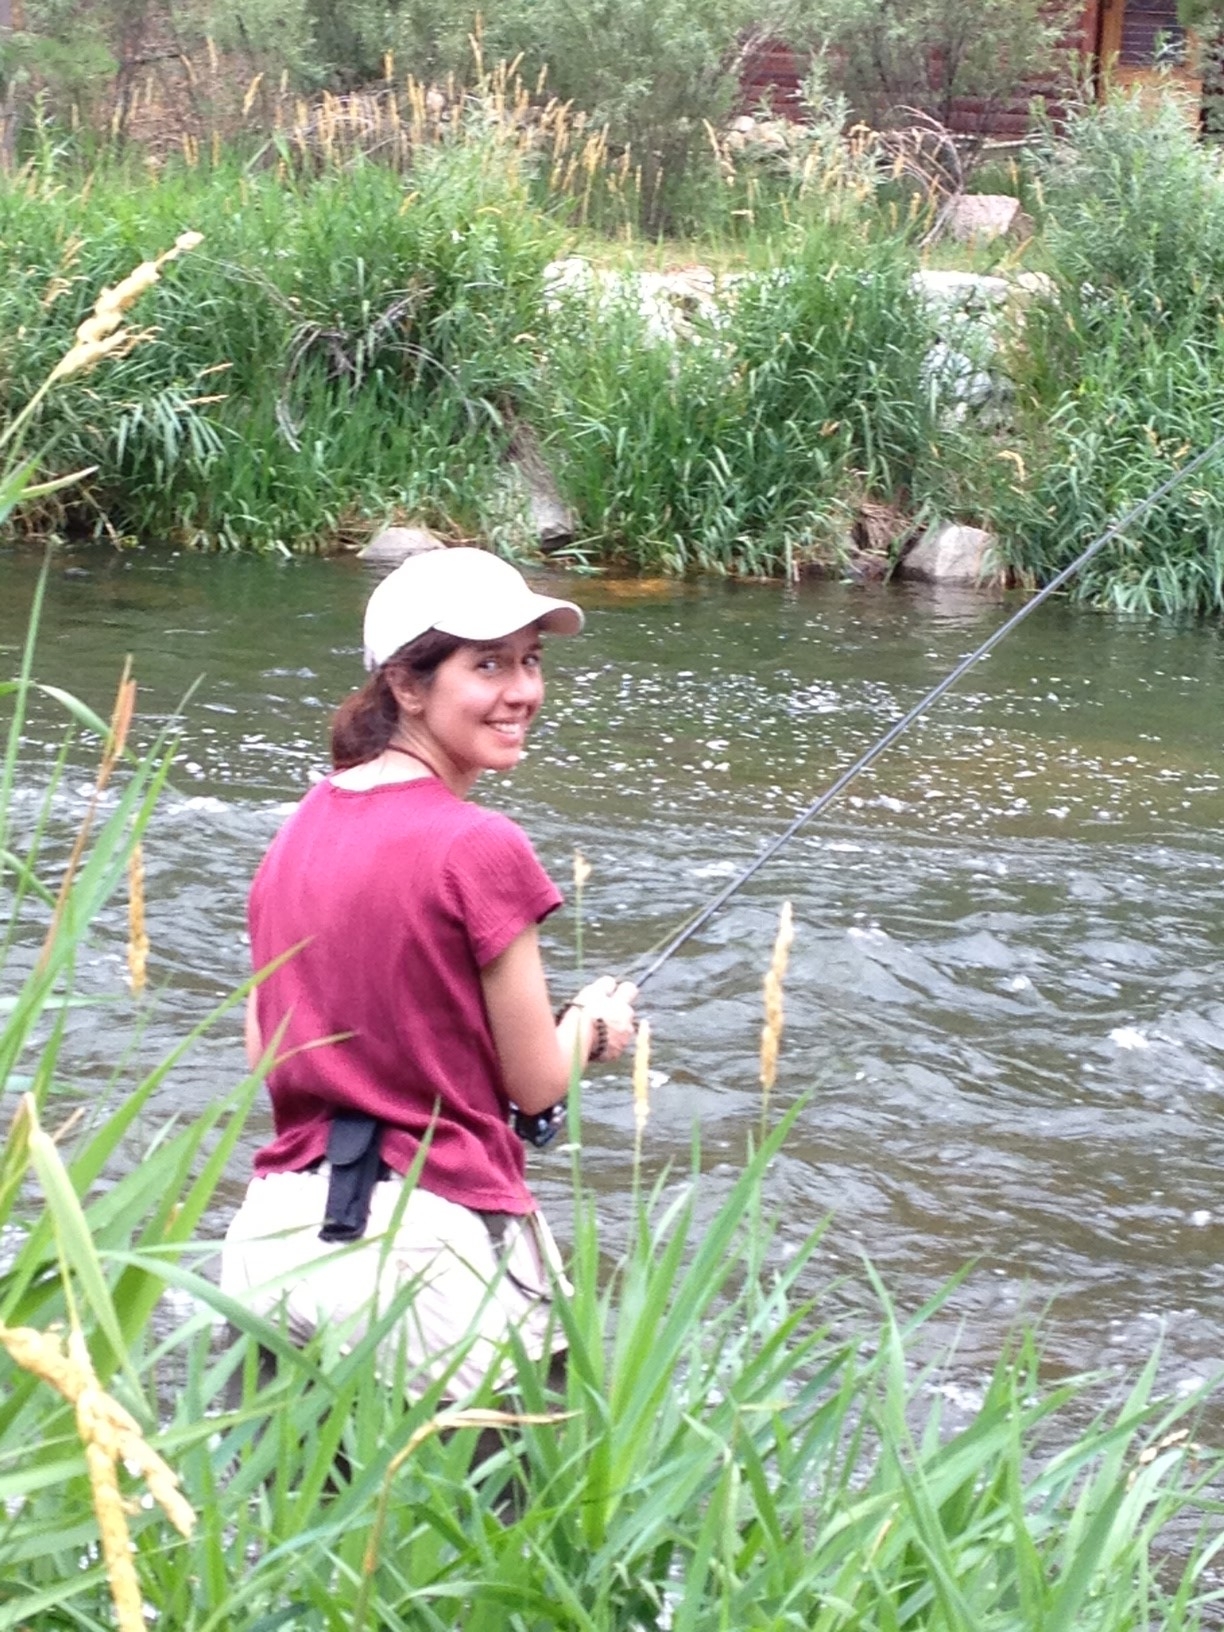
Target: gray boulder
[
  {"x": 952, "y": 554},
  {"x": 978, "y": 217},
  {"x": 554, "y": 523},
  {"x": 398, "y": 543}
]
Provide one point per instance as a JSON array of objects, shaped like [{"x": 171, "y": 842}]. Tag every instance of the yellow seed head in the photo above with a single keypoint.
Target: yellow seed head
[
  {"x": 138, "y": 937},
  {"x": 42, "y": 1355},
  {"x": 582, "y": 869},
  {"x": 771, "y": 1031},
  {"x": 641, "y": 1077},
  {"x": 97, "y": 327},
  {"x": 128, "y": 290},
  {"x": 86, "y": 353},
  {"x": 163, "y": 1487},
  {"x": 116, "y": 1541}
]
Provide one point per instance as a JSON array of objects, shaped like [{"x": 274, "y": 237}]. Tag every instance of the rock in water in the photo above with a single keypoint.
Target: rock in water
[
  {"x": 952, "y": 555},
  {"x": 398, "y": 543}
]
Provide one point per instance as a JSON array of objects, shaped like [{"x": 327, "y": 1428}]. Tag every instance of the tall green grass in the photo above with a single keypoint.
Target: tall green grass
[
  {"x": 748, "y": 445},
  {"x": 348, "y": 346},
  {"x": 357, "y": 343},
  {"x": 360, "y": 343},
  {"x": 1119, "y": 375}
]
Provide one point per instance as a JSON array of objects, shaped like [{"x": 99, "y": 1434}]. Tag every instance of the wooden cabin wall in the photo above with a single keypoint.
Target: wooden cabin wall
[{"x": 1123, "y": 30}]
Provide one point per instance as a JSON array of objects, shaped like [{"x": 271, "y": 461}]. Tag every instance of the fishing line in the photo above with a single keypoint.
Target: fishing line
[{"x": 902, "y": 725}]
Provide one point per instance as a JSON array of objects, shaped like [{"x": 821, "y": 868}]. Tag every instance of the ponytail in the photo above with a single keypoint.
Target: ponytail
[
  {"x": 362, "y": 725},
  {"x": 365, "y": 723}
]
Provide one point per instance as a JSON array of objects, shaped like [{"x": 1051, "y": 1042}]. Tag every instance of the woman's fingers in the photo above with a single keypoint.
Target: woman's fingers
[{"x": 611, "y": 1001}]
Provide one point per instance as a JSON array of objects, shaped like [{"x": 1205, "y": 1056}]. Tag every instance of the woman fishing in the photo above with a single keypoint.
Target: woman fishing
[{"x": 406, "y": 1008}]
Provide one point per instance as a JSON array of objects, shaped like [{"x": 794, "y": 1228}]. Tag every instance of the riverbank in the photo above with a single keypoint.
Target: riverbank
[{"x": 353, "y": 346}]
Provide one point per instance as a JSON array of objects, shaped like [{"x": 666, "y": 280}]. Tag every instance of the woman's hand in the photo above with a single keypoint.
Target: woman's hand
[
  {"x": 606, "y": 1007},
  {"x": 539, "y": 1054}
]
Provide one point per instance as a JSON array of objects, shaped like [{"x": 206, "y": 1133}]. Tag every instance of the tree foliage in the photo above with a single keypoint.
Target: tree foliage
[
  {"x": 932, "y": 55},
  {"x": 651, "y": 75}
]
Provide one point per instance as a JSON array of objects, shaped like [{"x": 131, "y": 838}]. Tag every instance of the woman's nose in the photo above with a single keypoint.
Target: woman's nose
[{"x": 525, "y": 683}]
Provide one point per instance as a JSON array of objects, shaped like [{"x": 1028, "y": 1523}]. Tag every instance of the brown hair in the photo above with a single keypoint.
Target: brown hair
[{"x": 364, "y": 723}]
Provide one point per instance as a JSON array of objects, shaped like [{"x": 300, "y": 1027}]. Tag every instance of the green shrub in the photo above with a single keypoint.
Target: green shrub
[
  {"x": 1119, "y": 373},
  {"x": 1135, "y": 213}
]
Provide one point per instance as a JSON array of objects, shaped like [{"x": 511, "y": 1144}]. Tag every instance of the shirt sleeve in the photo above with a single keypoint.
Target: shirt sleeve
[{"x": 498, "y": 885}]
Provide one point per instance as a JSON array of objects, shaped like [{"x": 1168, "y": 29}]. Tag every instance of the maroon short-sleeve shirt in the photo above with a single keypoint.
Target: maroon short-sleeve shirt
[{"x": 395, "y": 898}]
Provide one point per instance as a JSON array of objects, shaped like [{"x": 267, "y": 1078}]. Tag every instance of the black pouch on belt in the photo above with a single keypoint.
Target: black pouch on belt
[{"x": 356, "y": 1167}]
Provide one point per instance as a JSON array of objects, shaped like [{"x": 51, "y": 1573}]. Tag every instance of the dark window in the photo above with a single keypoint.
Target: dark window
[{"x": 1151, "y": 33}]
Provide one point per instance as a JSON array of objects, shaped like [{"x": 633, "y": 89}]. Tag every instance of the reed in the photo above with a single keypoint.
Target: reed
[
  {"x": 332, "y": 326},
  {"x": 749, "y": 449},
  {"x": 1118, "y": 374}
]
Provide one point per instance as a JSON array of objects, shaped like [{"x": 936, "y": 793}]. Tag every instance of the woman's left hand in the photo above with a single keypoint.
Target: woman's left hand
[{"x": 607, "y": 1004}]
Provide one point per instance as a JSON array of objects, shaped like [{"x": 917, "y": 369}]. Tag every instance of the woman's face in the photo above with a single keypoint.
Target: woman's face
[{"x": 475, "y": 712}]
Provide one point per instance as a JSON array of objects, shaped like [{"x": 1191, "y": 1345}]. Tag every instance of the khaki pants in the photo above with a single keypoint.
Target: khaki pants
[{"x": 468, "y": 1292}]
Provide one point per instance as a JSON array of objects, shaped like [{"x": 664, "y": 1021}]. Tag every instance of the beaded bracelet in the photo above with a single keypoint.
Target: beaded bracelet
[{"x": 600, "y": 1048}]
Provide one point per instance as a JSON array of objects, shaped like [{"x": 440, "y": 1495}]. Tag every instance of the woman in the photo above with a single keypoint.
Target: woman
[{"x": 406, "y": 1008}]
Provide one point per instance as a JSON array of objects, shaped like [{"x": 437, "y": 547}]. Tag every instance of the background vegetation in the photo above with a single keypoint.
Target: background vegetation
[{"x": 374, "y": 332}]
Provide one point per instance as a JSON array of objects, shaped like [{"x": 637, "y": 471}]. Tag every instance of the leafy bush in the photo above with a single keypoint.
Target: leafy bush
[
  {"x": 1135, "y": 212},
  {"x": 937, "y": 56},
  {"x": 1120, "y": 372}
]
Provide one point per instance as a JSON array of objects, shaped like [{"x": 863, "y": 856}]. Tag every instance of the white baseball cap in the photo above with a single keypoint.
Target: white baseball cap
[{"x": 469, "y": 593}]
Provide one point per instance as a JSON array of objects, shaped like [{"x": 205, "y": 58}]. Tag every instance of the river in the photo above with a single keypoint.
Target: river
[{"x": 1004, "y": 1011}]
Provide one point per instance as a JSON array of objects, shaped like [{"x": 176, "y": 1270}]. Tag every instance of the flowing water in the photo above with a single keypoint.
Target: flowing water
[{"x": 1004, "y": 1013}]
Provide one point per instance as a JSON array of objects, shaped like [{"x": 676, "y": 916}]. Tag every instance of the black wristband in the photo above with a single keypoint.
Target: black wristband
[{"x": 541, "y": 1129}]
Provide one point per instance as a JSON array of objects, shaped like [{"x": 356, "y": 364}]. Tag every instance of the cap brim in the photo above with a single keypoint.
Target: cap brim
[{"x": 556, "y": 617}]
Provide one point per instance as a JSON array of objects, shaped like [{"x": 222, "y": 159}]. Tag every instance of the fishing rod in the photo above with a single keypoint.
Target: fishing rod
[{"x": 902, "y": 725}]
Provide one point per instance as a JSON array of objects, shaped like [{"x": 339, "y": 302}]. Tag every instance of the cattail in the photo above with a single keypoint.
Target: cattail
[
  {"x": 138, "y": 937},
  {"x": 641, "y": 1079},
  {"x": 102, "y": 334},
  {"x": 771, "y": 1031}
]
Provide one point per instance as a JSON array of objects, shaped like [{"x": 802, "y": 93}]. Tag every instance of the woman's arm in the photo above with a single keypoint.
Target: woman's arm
[
  {"x": 254, "y": 1043},
  {"x": 535, "y": 1051}
]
